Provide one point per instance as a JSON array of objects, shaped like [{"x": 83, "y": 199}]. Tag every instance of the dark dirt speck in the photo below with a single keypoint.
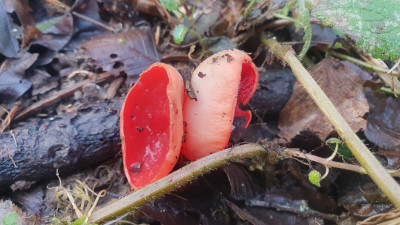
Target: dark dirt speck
[{"x": 201, "y": 75}]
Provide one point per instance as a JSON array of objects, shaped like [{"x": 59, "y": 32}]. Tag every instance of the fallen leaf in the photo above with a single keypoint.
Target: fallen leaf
[
  {"x": 240, "y": 181},
  {"x": 383, "y": 126},
  {"x": 154, "y": 8},
  {"x": 383, "y": 123},
  {"x": 28, "y": 24},
  {"x": 342, "y": 86},
  {"x": 69, "y": 31},
  {"x": 130, "y": 52},
  {"x": 365, "y": 201},
  {"x": 58, "y": 35},
  {"x": 9, "y": 46},
  {"x": 12, "y": 81},
  {"x": 11, "y": 214},
  {"x": 31, "y": 201},
  {"x": 199, "y": 203}
]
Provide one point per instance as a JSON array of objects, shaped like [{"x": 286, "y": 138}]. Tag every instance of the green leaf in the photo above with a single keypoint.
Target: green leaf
[
  {"x": 42, "y": 26},
  {"x": 169, "y": 5},
  {"x": 79, "y": 221},
  {"x": 343, "y": 150},
  {"x": 10, "y": 219},
  {"x": 373, "y": 24},
  {"x": 315, "y": 177},
  {"x": 179, "y": 33}
]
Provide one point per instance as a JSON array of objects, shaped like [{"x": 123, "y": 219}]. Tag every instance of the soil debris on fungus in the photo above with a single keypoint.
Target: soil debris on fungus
[{"x": 201, "y": 75}]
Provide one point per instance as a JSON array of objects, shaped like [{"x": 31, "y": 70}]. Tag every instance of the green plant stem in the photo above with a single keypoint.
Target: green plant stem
[
  {"x": 194, "y": 29},
  {"x": 290, "y": 19},
  {"x": 389, "y": 80},
  {"x": 329, "y": 163},
  {"x": 247, "y": 10},
  {"x": 360, "y": 63},
  {"x": 305, "y": 21},
  {"x": 366, "y": 159},
  {"x": 175, "y": 180},
  {"x": 194, "y": 8}
]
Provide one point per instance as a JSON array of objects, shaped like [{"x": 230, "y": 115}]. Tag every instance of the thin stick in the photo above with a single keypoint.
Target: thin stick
[
  {"x": 174, "y": 180},
  {"x": 100, "y": 24},
  {"x": 362, "y": 63},
  {"x": 5, "y": 125},
  {"x": 363, "y": 155},
  {"x": 344, "y": 166}
]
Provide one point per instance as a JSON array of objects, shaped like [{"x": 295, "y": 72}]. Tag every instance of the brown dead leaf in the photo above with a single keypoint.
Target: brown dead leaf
[
  {"x": 342, "y": 86},
  {"x": 130, "y": 52},
  {"x": 8, "y": 41},
  {"x": 383, "y": 128},
  {"x": 12, "y": 77},
  {"x": 7, "y": 208},
  {"x": 154, "y": 8}
]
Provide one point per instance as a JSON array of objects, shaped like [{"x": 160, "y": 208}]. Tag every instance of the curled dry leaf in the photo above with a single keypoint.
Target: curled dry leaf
[
  {"x": 341, "y": 85},
  {"x": 383, "y": 127},
  {"x": 9, "y": 46},
  {"x": 12, "y": 81},
  {"x": 130, "y": 52}
]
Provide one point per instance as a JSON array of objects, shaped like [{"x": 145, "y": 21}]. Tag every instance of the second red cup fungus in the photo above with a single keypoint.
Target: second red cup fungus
[{"x": 222, "y": 83}]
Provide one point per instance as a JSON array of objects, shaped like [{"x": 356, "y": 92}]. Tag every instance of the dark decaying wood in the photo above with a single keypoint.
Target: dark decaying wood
[{"x": 68, "y": 143}]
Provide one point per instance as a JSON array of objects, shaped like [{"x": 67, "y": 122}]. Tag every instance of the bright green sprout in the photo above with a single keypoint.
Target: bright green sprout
[
  {"x": 169, "y": 5},
  {"x": 10, "y": 219},
  {"x": 179, "y": 33},
  {"x": 315, "y": 178}
]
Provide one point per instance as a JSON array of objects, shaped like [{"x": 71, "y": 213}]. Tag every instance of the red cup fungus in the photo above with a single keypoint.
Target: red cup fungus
[
  {"x": 156, "y": 113},
  {"x": 222, "y": 83},
  {"x": 151, "y": 125}
]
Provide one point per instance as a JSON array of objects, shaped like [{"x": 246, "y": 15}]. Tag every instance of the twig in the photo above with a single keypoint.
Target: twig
[
  {"x": 247, "y": 10},
  {"x": 174, "y": 180},
  {"x": 35, "y": 107},
  {"x": 65, "y": 7},
  {"x": 12, "y": 160},
  {"x": 367, "y": 160},
  {"x": 361, "y": 63},
  {"x": 7, "y": 121},
  {"x": 112, "y": 90},
  {"x": 76, "y": 72},
  {"x": 333, "y": 164},
  {"x": 100, "y": 24},
  {"x": 157, "y": 35},
  {"x": 56, "y": 97},
  {"x": 303, "y": 211},
  {"x": 284, "y": 22}
]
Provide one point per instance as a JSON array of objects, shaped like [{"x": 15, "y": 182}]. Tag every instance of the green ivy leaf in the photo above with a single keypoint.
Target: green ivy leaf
[
  {"x": 315, "y": 178},
  {"x": 42, "y": 26},
  {"x": 373, "y": 24},
  {"x": 179, "y": 33},
  {"x": 169, "y": 5},
  {"x": 10, "y": 219},
  {"x": 343, "y": 150}
]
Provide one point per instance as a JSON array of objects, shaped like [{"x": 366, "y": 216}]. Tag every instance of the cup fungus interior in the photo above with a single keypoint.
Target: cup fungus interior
[
  {"x": 146, "y": 129},
  {"x": 247, "y": 86}
]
